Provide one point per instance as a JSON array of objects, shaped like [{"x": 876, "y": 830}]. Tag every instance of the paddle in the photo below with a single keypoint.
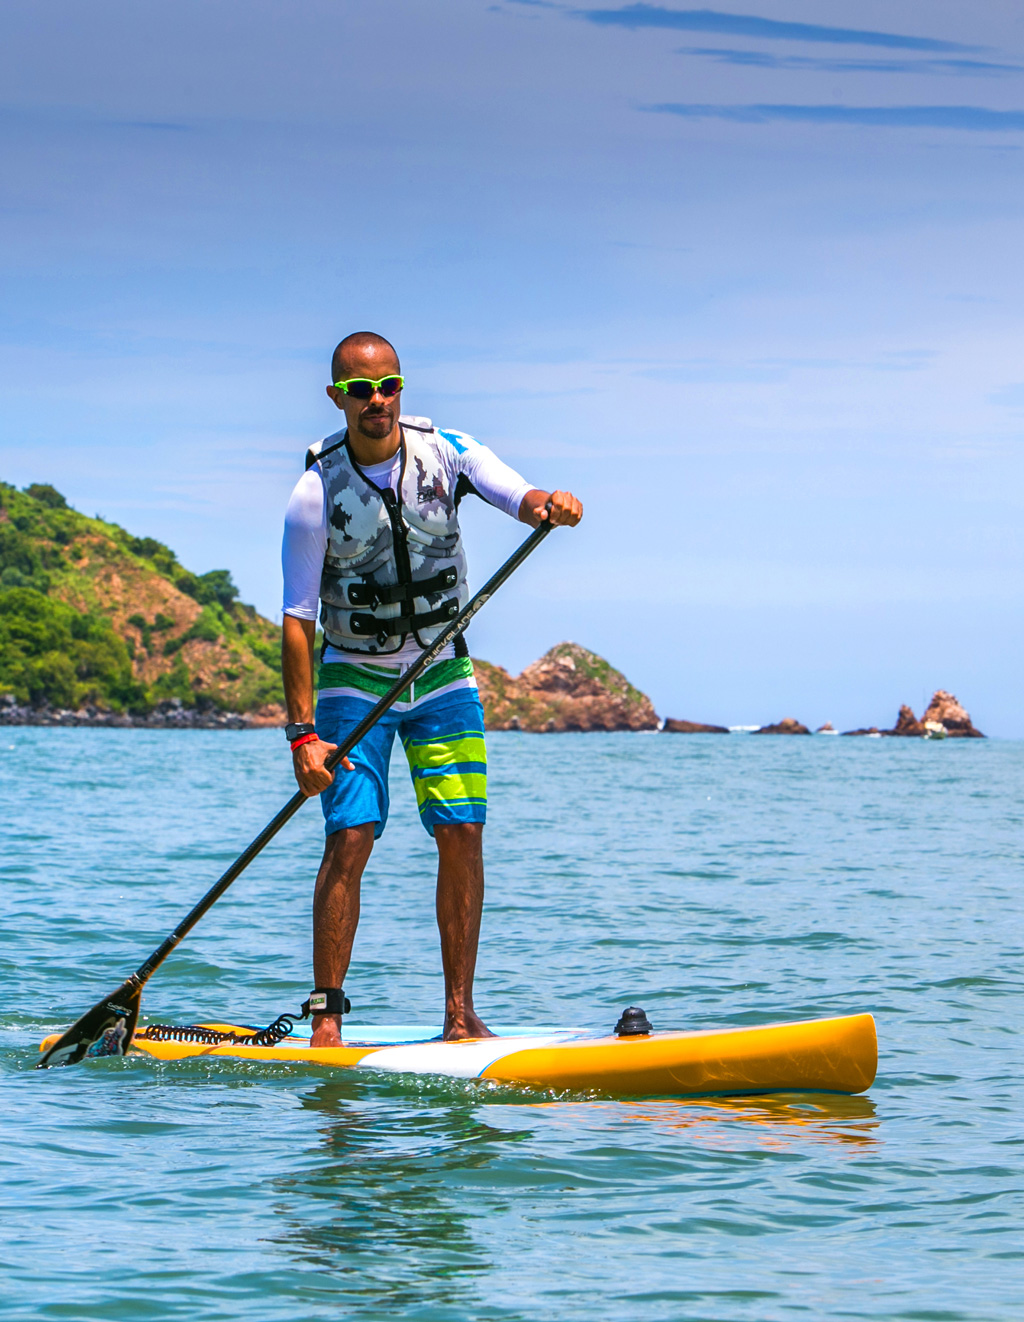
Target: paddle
[{"x": 106, "y": 1029}]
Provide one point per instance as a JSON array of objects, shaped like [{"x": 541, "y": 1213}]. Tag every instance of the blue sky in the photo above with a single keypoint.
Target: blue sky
[{"x": 747, "y": 279}]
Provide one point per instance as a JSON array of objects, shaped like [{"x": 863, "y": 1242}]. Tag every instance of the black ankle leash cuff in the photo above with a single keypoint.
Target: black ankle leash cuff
[{"x": 326, "y": 1000}]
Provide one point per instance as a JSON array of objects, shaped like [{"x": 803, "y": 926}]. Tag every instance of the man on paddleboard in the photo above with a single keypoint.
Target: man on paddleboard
[{"x": 372, "y": 544}]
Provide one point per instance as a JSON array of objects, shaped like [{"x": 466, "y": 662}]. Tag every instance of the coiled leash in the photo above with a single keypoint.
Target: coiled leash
[
  {"x": 322, "y": 1000},
  {"x": 218, "y": 1037}
]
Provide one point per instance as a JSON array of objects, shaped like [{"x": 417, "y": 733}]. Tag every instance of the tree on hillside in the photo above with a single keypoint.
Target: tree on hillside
[{"x": 46, "y": 495}]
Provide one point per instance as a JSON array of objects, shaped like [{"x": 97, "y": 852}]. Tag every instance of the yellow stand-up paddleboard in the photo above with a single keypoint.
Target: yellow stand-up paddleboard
[{"x": 821, "y": 1055}]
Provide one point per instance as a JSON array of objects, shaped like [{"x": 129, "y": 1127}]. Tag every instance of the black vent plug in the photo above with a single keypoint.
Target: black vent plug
[{"x": 633, "y": 1023}]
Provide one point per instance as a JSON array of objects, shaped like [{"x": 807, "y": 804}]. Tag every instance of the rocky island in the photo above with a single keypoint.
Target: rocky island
[
  {"x": 944, "y": 710},
  {"x": 569, "y": 688},
  {"x": 943, "y": 719},
  {"x": 788, "y": 725},
  {"x": 907, "y": 725},
  {"x": 672, "y": 726}
]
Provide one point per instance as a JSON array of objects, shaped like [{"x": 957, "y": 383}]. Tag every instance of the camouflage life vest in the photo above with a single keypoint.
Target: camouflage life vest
[{"x": 394, "y": 564}]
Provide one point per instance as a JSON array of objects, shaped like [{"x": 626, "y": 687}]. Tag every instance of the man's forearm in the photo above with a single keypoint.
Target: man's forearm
[
  {"x": 297, "y": 667},
  {"x": 531, "y": 505}
]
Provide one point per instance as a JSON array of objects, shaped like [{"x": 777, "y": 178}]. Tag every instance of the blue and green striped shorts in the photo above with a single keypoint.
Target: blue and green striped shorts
[{"x": 442, "y": 731}]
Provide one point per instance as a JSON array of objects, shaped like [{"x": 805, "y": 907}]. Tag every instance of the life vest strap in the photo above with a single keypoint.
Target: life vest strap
[
  {"x": 370, "y": 625},
  {"x": 372, "y": 594}
]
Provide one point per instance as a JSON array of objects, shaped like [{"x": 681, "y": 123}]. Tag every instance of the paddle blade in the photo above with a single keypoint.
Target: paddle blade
[{"x": 105, "y": 1030}]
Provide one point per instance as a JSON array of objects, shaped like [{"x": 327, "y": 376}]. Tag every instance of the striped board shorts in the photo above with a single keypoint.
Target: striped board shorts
[{"x": 441, "y": 726}]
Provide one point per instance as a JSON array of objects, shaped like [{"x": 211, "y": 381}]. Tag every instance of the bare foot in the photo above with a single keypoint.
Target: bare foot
[
  {"x": 326, "y": 1031},
  {"x": 466, "y": 1024}
]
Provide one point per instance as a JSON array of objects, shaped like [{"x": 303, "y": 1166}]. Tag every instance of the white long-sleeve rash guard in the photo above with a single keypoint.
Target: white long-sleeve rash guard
[{"x": 305, "y": 527}]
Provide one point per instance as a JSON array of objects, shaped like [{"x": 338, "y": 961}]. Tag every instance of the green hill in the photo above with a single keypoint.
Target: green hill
[{"x": 90, "y": 615}]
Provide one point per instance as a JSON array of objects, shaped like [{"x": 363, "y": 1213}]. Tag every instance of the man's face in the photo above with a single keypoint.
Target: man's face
[{"x": 373, "y": 418}]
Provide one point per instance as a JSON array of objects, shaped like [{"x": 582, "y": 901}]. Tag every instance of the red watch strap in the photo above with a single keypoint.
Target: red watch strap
[{"x": 304, "y": 739}]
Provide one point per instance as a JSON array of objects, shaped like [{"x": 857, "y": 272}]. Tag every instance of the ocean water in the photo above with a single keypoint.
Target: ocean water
[{"x": 712, "y": 880}]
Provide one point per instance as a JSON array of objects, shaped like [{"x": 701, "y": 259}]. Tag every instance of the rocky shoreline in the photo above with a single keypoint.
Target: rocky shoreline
[
  {"x": 169, "y": 715},
  {"x": 568, "y": 690}
]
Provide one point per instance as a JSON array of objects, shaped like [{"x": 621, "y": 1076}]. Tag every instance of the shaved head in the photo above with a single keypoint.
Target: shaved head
[
  {"x": 372, "y": 422},
  {"x": 359, "y": 345}
]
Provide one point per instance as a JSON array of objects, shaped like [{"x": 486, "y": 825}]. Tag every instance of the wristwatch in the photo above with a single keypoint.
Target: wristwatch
[{"x": 297, "y": 729}]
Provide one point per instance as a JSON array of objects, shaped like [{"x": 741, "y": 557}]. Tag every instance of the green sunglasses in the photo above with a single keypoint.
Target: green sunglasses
[{"x": 361, "y": 387}]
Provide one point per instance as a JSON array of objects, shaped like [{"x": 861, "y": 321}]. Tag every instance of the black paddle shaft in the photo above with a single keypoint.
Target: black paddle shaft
[{"x": 400, "y": 686}]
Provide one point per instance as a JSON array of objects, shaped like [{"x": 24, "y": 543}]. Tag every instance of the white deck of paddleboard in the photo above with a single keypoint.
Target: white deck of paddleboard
[
  {"x": 367, "y": 1035},
  {"x": 415, "y": 1049}
]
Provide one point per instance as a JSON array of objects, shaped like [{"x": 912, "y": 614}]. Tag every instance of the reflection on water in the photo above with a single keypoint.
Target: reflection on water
[
  {"x": 391, "y": 1176},
  {"x": 776, "y": 1122},
  {"x": 408, "y": 1171}
]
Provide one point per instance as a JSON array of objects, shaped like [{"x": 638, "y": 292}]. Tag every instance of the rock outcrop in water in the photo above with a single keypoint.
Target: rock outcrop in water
[
  {"x": 672, "y": 726},
  {"x": 907, "y": 725},
  {"x": 944, "y": 717},
  {"x": 569, "y": 688},
  {"x": 944, "y": 710},
  {"x": 788, "y": 725}
]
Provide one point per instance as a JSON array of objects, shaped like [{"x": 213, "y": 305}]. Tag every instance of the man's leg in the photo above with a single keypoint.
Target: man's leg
[
  {"x": 336, "y": 916},
  {"x": 444, "y": 743},
  {"x": 355, "y": 808},
  {"x": 460, "y": 899}
]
